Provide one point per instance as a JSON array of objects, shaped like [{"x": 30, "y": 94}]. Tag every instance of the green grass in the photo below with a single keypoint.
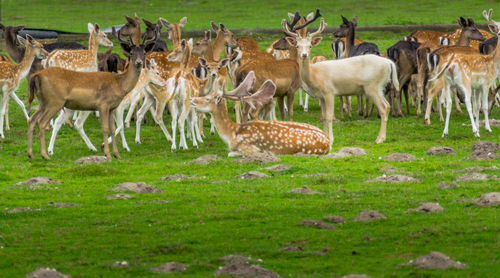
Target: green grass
[{"x": 203, "y": 221}]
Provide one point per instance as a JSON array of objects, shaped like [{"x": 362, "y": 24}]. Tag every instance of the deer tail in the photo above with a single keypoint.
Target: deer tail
[{"x": 33, "y": 86}]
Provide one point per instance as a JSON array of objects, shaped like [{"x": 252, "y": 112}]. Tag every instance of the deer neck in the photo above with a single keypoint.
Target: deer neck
[
  {"x": 305, "y": 70},
  {"x": 93, "y": 44},
  {"x": 225, "y": 126},
  {"x": 24, "y": 66},
  {"x": 463, "y": 40},
  {"x": 185, "y": 58},
  {"x": 349, "y": 40},
  {"x": 209, "y": 52},
  {"x": 218, "y": 46},
  {"x": 128, "y": 79}
]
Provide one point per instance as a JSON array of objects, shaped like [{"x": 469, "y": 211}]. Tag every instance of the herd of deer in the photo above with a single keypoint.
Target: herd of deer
[{"x": 192, "y": 80}]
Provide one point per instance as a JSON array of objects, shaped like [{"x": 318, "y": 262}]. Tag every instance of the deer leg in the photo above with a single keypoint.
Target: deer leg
[
  {"x": 367, "y": 106},
  {"x": 133, "y": 104},
  {"x": 118, "y": 115},
  {"x": 484, "y": 96},
  {"x": 199, "y": 128},
  {"x": 182, "y": 122},
  {"x": 174, "y": 111},
  {"x": 432, "y": 91},
  {"x": 447, "y": 97},
  {"x": 341, "y": 107},
  {"x": 329, "y": 117},
  {"x": 104, "y": 117},
  {"x": 64, "y": 115},
  {"x": 193, "y": 119},
  {"x": 301, "y": 103},
  {"x": 148, "y": 101},
  {"x": 212, "y": 125},
  {"x": 349, "y": 107},
  {"x": 7, "y": 126},
  {"x": 383, "y": 107},
  {"x": 360, "y": 105},
  {"x": 20, "y": 103},
  {"x": 322, "y": 107},
  {"x": 407, "y": 99},
  {"x": 43, "y": 122},
  {"x": 398, "y": 100},
  {"x": 31, "y": 128},
  {"x": 281, "y": 105},
  {"x": 111, "y": 127},
  {"x": 457, "y": 101},
  {"x": 80, "y": 121},
  {"x": 289, "y": 99},
  {"x": 3, "y": 105}
]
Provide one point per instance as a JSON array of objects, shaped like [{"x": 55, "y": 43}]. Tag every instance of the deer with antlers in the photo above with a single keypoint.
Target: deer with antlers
[
  {"x": 473, "y": 74},
  {"x": 325, "y": 80},
  {"x": 56, "y": 88},
  {"x": 12, "y": 74},
  {"x": 257, "y": 137}
]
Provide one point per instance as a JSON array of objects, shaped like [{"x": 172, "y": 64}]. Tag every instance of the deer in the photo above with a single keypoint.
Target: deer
[
  {"x": 56, "y": 88},
  {"x": 151, "y": 28},
  {"x": 425, "y": 36},
  {"x": 12, "y": 74},
  {"x": 110, "y": 62},
  {"x": 473, "y": 74},
  {"x": 325, "y": 80},
  {"x": 257, "y": 137}
]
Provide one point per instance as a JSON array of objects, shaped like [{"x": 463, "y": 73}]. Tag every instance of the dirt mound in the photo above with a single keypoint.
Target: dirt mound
[
  {"x": 488, "y": 199},
  {"x": 435, "y": 260},
  {"x": 394, "y": 179},
  {"x": 473, "y": 177},
  {"x": 260, "y": 159},
  {"x": 252, "y": 175},
  {"x": 237, "y": 258},
  {"x": 243, "y": 269},
  {"x": 120, "y": 196},
  {"x": 334, "y": 219},
  {"x": 205, "y": 160},
  {"x": 91, "y": 159},
  {"x": 477, "y": 169},
  {"x": 178, "y": 177},
  {"x": 62, "y": 205},
  {"x": 346, "y": 152},
  {"x": 170, "y": 267},
  {"x": 21, "y": 209},
  {"x": 292, "y": 248},
  {"x": 137, "y": 187},
  {"x": 482, "y": 155},
  {"x": 317, "y": 224},
  {"x": 427, "y": 207},
  {"x": 279, "y": 168},
  {"x": 46, "y": 273},
  {"x": 389, "y": 170},
  {"x": 401, "y": 157},
  {"x": 38, "y": 181},
  {"x": 121, "y": 264},
  {"x": 305, "y": 190},
  {"x": 368, "y": 215},
  {"x": 356, "y": 276},
  {"x": 485, "y": 146},
  {"x": 441, "y": 151},
  {"x": 446, "y": 185}
]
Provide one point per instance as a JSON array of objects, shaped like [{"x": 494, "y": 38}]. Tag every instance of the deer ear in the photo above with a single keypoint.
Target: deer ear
[
  {"x": 214, "y": 26},
  {"x": 355, "y": 20},
  {"x": 22, "y": 40},
  {"x": 183, "y": 44},
  {"x": 208, "y": 35},
  {"x": 462, "y": 22},
  {"x": 470, "y": 21},
  {"x": 202, "y": 61},
  {"x": 316, "y": 41},
  {"x": 19, "y": 28},
  {"x": 190, "y": 42},
  {"x": 183, "y": 21},
  {"x": 130, "y": 20},
  {"x": 148, "y": 23},
  {"x": 291, "y": 41},
  {"x": 164, "y": 22},
  {"x": 90, "y": 27},
  {"x": 223, "y": 63},
  {"x": 344, "y": 20},
  {"x": 310, "y": 16},
  {"x": 493, "y": 28},
  {"x": 96, "y": 28},
  {"x": 291, "y": 16},
  {"x": 223, "y": 28}
]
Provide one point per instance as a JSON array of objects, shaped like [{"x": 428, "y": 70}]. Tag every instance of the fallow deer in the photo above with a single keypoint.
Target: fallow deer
[
  {"x": 56, "y": 88},
  {"x": 257, "y": 137},
  {"x": 12, "y": 74}
]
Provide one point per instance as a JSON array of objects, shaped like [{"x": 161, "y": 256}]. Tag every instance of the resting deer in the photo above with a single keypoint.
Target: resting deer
[
  {"x": 474, "y": 75},
  {"x": 257, "y": 137},
  {"x": 344, "y": 77},
  {"x": 56, "y": 88},
  {"x": 12, "y": 74}
]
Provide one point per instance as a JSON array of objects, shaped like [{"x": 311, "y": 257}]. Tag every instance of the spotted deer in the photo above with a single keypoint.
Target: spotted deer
[
  {"x": 257, "y": 137},
  {"x": 12, "y": 74}
]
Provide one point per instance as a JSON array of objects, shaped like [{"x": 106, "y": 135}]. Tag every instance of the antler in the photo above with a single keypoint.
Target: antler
[
  {"x": 296, "y": 19},
  {"x": 322, "y": 27},
  {"x": 263, "y": 96},
  {"x": 316, "y": 16},
  {"x": 117, "y": 35},
  {"x": 156, "y": 32},
  {"x": 488, "y": 15},
  {"x": 243, "y": 88},
  {"x": 287, "y": 31}
]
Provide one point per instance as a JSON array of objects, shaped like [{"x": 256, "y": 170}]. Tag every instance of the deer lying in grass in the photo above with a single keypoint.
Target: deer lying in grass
[
  {"x": 12, "y": 74},
  {"x": 325, "y": 80},
  {"x": 56, "y": 88},
  {"x": 473, "y": 74},
  {"x": 257, "y": 137}
]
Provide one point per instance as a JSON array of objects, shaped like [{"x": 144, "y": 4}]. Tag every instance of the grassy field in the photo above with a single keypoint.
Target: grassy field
[{"x": 203, "y": 221}]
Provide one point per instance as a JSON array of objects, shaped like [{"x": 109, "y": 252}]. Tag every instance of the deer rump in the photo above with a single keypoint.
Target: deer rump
[{"x": 280, "y": 137}]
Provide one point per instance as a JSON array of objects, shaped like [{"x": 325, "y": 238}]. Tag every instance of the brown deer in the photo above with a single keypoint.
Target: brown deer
[
  {"x": 56, "y": 88},
  {"x": 12, "y": 74},
  {"x": 257, "y": 137}
]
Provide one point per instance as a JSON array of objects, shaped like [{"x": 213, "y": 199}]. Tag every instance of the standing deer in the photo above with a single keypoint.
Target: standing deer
[{"x": 12, "y": 74}]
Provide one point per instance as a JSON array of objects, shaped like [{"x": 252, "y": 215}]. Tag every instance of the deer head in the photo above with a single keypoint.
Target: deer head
[
  {"x": 303, "y": 44},
  {"x": 492, "y": 25},
  {"x": 177, "y": 55},
  {"x": 228, "y": 36},
  {"x": 202, "y": 45},
  {"x": 153, "y": 73},
  {"x": 132, "y": 29},
  {"x": 297, "y": 26},
  {"x": 100, "y": 36},
  {"x": 469, "y": 29},
  {"x": 129, "y": 46},
  {"x": 174, "y": 30},
  {"x": 10, "y": 32},
  {"x": 36, "y": 47},
  {"x": 346, "y": 27},
  {"x": 207, "y": 74}
]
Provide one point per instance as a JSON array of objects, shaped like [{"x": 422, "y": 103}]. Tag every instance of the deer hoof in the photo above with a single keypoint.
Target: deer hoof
[
  {"x": 116, "y": 155},
  {"x": 30, "y": 155},
  {"x": 45, "y": 156}
]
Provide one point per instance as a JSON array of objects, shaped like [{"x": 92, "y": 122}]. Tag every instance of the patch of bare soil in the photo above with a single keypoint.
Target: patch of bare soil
[
  {"x": 334, "y": 219},
  {"x": 485, "y": 146},
  {"x": 400, "y": 157},
  {"x": 292, "y": 248},
  {"x": 493, "y": 122},
  {"x": 435, "y": 260},
  {"x": 119, "y": 196},
  {"x": 346, "y": 152},
  {"x": 243, "y": 269},
  {"x": 91, "y": 159},
  {"x": 482, "y": 155},
  {"x": 389, "y": 170},
  {"x": 320, "y": 252},
  {"x": 122, "y": 264},
  {"x": 477, "y": 169},
  {"x": 427, "y": 207},
  {"x": 171, "y": 267},
  {"x": 368, "y": 215},
  {"x": 317, "y": 224},
  {"x": 488, "y": 199},
  {"x": 237, "y": 258},
  {"x": 264, "y": 158},
  {"x": 21, "y": 209},
  {"x": 473, "y": 177},
  {"x": 441, "y": 151},
  {"x": 447, "y": 185},
  {"x": 305, "y": 190},
  {"x": 356, "y": 276},
  {"x": 137, "y": 187},
  {"x": 279, "y": 168},
  {"x": 46, "y": 273},
  {"x": 205, "y": 160},
  {"x": 62, "y": 205},
  {"x": 394, "y": 179},
  {"x": 252, "y": 175},
  {"x": 177, "y": 177},
  {"x": 38, "y": 181}
]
